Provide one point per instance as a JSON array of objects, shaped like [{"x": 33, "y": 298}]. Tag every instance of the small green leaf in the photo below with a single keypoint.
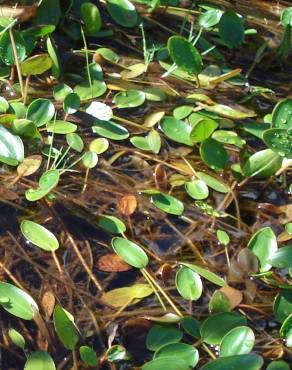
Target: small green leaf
[
  {"x": 99, "y": 145},
  {"x": 85, "y": 91},
  {"x": 185, "y": 55},
  {"x": 112, "y": 224},
  {"x": 191, "y": 326},
  {"x": 210, "y": 18},
  {"x": 177, "y": 130},
  {"x": 71, "y": 103},
  {"x": 231, "y": 29},
  {"x": 238, "y": 362},
  {"x": 11, "y": 148},
  {"x": 123, "y": 12},
  {"x": 47, "y": 182},
  {"x": 282, "y": 258},
  {"x": 36, "y": 65},
  {"x": 213, "y": 182},
  {"x": 278, "y": 365},
  {"x": 129, "y": 99},
  {"x": 4, "y": 105},
  {"x": 40, "y": 111},
  {"x": 223, "y": 237},
  {"x": 183, "y": 351},
  {"x": 188, "y": 284},
  {"x": 263, "y": 163},
  {"x": 39, "y": 235},
  {"x": 17, "y": 338},
  {"x": 40, "y": 361},
  {"x": 6, "y": 50},
  {"x": 61, "y": 127},
  {"x": 91, "y": 18},
  {"x": 88, "y": 356},
  {"x": 213, "y": 278},
  {"x": 238, "y": 341},
  {"x": 168, "y": 204},
  {"x": 161, "y": 335},
  {"x": 203, "y": 130},
  {"x": 197, "y": 189},
  {"x": 130, "y": 252},
  {"x": 75, "y": 142},
  {"x": 282, "y": 115},
  {"x": 279, "y": 140},
  {"x": 110, "y": 130},
  {"x": 61, "y": 91},
  {"x": 65, "y": 328},
  {"x": 213, "y": 154},
  {"x": 283, "y": 305},
  {"x": 166, "y": 363},
  {"x": 116, "y": 353},
  {"x": 89, "y": 159}
]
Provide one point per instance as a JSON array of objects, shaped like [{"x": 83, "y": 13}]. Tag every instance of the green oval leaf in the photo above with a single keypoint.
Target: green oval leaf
[
  {"x": 161, "y": 335},
  {"x": 213, "y": 154},
  {"x": 210, "y": 18},
  {"x": 61, "y": 127},
  {"x": 263, "y": 163},
  {"x": 203, "y": 129},
  {"x": 278, "y": 365},
  {"x": 39, "y": 235},
  {"x": 197, "y": 189},
  {"x": 112, "y": 224},
  {"x": 85, "y": 91},
  {"x": 177, "y": 130},
  {"x": 36, "y": 65},
  {"x": 238, "y": 362},
  {"x": 17, "y": 302},
  {"x": 16, "y": 338},
  {"x": 11, "y": 147},
  {"x": 129, "y": 99},
  {"x": 40, "y": 361},
  {"x": 231, "y": 29},
  {"x": 65, "y": 328},
  {"x": 6, "y": 50},
  {"x": 188, "y": 284},
  {"x": 91, "y": 18},
  {"x": 75, "y": 142},
  {"x": 40, "y": 111},
  {"x": 185, "y": 55},
  {"x": 47, "y": 182},
  {"x": 183, "y": 351},
  {"x": 88, "y": 356},
  {"x": 123, "y": 12},
  {"x": 130, "y": 252},
  {"x": 283, "y": 305},
  {"x": 110, "y": 130},
  {"x": 213, "y": 183},
  {"x": 238, "y": 341},
  {"x": 209, "y": 275},
  {"x": 282, "y": 115},
  {"x": 89, "y": 159},
  {"x": 279, "y": 140},
  {"x": 165, "y": 363},
  {"x": 168, "y": 204}
]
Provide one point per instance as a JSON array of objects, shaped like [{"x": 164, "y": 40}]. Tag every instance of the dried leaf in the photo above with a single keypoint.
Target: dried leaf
[
  {"x": 29, "y": 165},
  {"x": 127, "y": 295},
  {"x": 127, "y": 204},
  {"x": 48, "y": 303},
  {"x": 234, "y": 296},
  {"x": 112, "y": 263}
]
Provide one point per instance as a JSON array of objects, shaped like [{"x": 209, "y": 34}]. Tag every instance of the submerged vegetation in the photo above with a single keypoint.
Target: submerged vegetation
[{"x": 145, "y": 156}]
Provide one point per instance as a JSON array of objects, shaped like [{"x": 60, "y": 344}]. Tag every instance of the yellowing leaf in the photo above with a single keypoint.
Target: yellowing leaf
[{"x": 127, "y": 295}]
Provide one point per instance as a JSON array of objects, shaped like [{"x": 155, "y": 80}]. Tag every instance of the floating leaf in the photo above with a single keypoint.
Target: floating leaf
[
  {"x": 183, "y": 111},
  {"x": 91, "y": 18},
  {"x": 215, "y": 279},
  {"x": 17, "y": 302},
  {"x": 282, "y": 258},
  {"x": 65, "y": 328},
  {"x": 279, "y": 140},
  {"x": 11, "y": 148},
  {"x": 231, "y": 29},
  {"x": 36, "y": 65},
  {"x": 100, "y": 111},
  {"x": 216, "y": 326},
  {"x": 214, "y": 154},
  {"x": 210, "y": 18},
  {"x": 61, "y": 127},
  {"x": 129, "y": 99},
  {"x": 263, "y": 163},
  {"x": 185, "y": 55},
  {"x": 191, "y": 326},
  {"x": 238, "y": 362},
  {"x": 197, "y": 189},
  {"x": 264, "y": 244},
  {"x": 110, "y": 130},
  {"x": 40, "y": 361},
  {"x": 47, "y": 182},
  {"x": 89, "y": 159},
  {"x": 213, "y": 183},
  {"x": 39, "y": 235},
  {"x": 238, "y": 341},
  {"x": 202, "y": 130},
  {"x": 283, "y": 305},
  {"x": 165, "y": 363},
  {"x": 116, "y": 353},
  {"x": 278, "y": 365},
  {"x": 6, "y": 50},
  {"x": 88, "y": 356},
  {"x": 228, "y": 137},
  {"x": 40, "y": 111},
  {"x": 130, "y": 252},
  {"x": 223, "y": 237},
  {"x": 168, "y": 204},
  {"x": 219, "y": 302},
  {"x": 127, "y": 295},
  {"x": 61, "y": 91},
  {"x": 16, "y": 338},
  {"x": 75, "y": 142},
  {"x": 177, "y": 130},
  {"x": 85, "y": 91},
  {"x": 123, "y": 12},
  {"x": 71, "y": 103},
  {"x": 183, "y": 351},
  {"x": 161, "y": 335},
  {"x": 282, "y": 115},
  {"x": 188, "y": 284},
  {"x": 112, "y": 224}
]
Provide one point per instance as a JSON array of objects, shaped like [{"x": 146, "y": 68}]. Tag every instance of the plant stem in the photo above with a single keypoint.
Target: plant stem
[
  {"x": 154, "y": 289},
  {"x": 16, "y": 62}
]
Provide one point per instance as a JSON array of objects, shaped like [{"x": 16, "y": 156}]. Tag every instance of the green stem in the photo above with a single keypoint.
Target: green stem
[{"x": 154, "y": 289}]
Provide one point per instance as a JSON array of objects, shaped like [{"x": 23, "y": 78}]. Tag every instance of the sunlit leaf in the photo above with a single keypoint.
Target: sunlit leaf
[
  {"x": 130, "y": 252},
  {"x": 39, "y": 235}
]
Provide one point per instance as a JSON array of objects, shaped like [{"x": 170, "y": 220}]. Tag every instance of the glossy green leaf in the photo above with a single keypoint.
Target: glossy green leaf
[
  {"x": 100, "y": 111},
  {"x": 228, "y": 137},
  {"x": 89, "y": 159},
  {"x": 216, "y": 326},
  {"x": 54, "y": 55},
  {"x": 264, "y": 245},
  {"x": 61, "y": 91},
  {"x": 130, "y": 252},
  {"x": 203, "y": 129},
  {"x": 238, "y": 341},
  {"x": 213, "y": 182},
  {"x": 251, "y": 361},
  {"x": 210, "y": 18},
  {"x": 108, "y": 55},
  {"x": 75, "y": 142},
  {"x": 219, "y": 302},
  {"x": 71, "y": 103},
  {"x": 129, "y": 99},
  {"x": 183, "y": 351},
  {"x": 183, "y": 111},
  {"x": 209, "y": 275},
  {"x": 168, "y": 204},
  {"x": 40, "y": 111},
  {"x": 16, "y": 338},
  {"x": 6, "y": 50},
  {"x": 286, "y": 331},
  {"x": 282, "y": 258},
  {"x": 17, "y": 302},
  {"x": 121, "y": 297},
  {"x": 61, "y": 127},
  {"x": 283, "y": 305},
  {"x": 36, "y": 65},
  {"x": 161, "y": 335},
  {"x": 191, "y": 326},
  {"x": 213, "y": 154},
  {"x": 185, "y": 55},
  {"x": 116, "y": 353},
  {"x": 286, "y": 17},
  {"x": 166, "y": 363},
  {"x": 48, "y": 12},
  {"x": 39, "y": 235},
  {"x": 112, "y": 224},
  {"x": 99, "y": 145},
  {"x": 11, "y": 147},
  {"x": 282, "y": 115},
  {"x": 278, "y": 365},
  {"x": 65, "y": 328},
  {"x": 110, "y": 130},
  {"x": 263, "y": 163},
  {"x": 197, "y": 189},
  {"x": 88, "y": 356},
  {"x": 123, "y": 12},
  {"x": 223, "y": 237},
  {"x": 40, "y": 360},
  {"x": 188, "y": 284},
  {"x": 91, "y": 18},
  {"x": 47, "y": 182},
  {"x": 85, "y": 91},
  {"x": 177, "y": 130},
  {"x": 231, "y": 29},
  {"x": 279, "y": 140}
]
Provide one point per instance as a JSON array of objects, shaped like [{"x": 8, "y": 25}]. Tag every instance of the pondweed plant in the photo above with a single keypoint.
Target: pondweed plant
[{"x": 143, "y": 123}]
